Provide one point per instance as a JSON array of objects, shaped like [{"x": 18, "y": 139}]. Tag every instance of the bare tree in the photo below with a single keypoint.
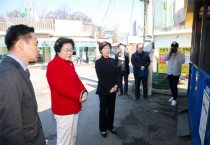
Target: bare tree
[
  {"x": 117, "y": 37},
  {"x": 43, "y": 13},
  {"x": 63, "y": 12},
  {"x": 100, "y": 32},
  {"x": 13, "y": 13},
  {"x": 81, "y": 17},
  {"x": 2, "y": 19}
]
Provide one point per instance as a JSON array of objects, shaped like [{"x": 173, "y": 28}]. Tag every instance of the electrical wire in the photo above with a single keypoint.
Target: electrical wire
[
  {"x": 141, "y": 4},
  {"x": 111, "y": 11},
  {"x": 106, "y": 13},
  {"x": 131, "y": 18},
  {"x": 97, "y": 9}
]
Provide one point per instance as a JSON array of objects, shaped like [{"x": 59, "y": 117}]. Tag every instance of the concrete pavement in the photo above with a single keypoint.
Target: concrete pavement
[{"x": 137, "y": 122}]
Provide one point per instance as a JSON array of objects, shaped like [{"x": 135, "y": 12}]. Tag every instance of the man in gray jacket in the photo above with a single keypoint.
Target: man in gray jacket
[
  {"x": 175, "y": 60},
  {"x": 19, "y": 120}
]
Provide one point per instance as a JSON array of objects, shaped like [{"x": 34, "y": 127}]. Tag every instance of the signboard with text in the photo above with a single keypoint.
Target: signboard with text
[
  {"x": 204, "y": 113},
  {"x": 162, "y": 65}
]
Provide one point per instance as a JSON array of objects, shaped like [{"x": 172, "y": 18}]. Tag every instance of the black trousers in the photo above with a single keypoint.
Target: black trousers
[
  {"x": 173, "y": 82},
  {"x": 106, "y": 113},
  {"x": 125, "y": 75},
  {"x": 137, "y": 85}
]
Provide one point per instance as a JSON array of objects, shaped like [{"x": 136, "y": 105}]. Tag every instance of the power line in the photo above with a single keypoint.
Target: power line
[
  {"x": 131, "y": 18},
  {"x": 106, "y": 13},
  {"x": 111, "y": 11},
  {"x": 97, "y": 9},
  {"x": 141, "y": 5}
]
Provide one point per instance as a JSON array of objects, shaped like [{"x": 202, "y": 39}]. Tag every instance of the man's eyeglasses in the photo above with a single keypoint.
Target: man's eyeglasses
[{"x": 67, "y": 50}]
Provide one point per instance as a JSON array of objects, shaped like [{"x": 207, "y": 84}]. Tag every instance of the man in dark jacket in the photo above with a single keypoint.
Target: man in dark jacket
[
  {"x": 140, "y": 61},
  {"x": 122, "y": 62},
  {"x": 19, "y": 120}
]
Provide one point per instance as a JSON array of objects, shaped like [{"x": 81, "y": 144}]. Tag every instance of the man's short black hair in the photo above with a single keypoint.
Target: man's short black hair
[
  {"x": 174, "y": 44},
  {"x": 103, "y": 44},
  {"x": 17, "y": 32},
  {"x": 121, "y": 44},
  {"x": 59, "y": 43}
]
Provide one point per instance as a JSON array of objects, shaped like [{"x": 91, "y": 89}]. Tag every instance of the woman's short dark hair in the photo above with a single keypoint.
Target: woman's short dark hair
[
  {"x": 17, "y": 32},
  {"x": 59, "y": 43},
  {"x": 103, "y": 44}
]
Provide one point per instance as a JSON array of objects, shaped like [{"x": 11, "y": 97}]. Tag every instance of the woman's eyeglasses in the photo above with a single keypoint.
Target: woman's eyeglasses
[{"x": 68, "y": 50}]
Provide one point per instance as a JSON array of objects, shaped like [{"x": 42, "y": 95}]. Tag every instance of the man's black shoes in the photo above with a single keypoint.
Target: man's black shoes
[
  {"x": 135, "y": 99},
  {"x": 146, "y": 99},
  {"x": 120, "y": 94},
  {"x": 127, "y": 94}
]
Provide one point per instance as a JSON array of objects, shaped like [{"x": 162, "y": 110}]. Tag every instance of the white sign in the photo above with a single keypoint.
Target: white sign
[
  {"x": 204, "y": 116},
  {"x": 187, "y": 59}
]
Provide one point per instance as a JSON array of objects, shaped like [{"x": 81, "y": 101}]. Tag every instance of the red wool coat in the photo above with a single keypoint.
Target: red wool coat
[{"x": 65, "y": 87}]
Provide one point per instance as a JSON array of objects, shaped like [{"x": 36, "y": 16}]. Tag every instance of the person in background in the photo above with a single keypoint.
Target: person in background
[
  {"x": 67, "y": 91},
  {"x": 19, "y": 120},
  {"x": 140, "y": 61},
  {"x": 122, "y": 62},
  {"x": 108, "y": 82},
  {"x": 175, "y": 60}
]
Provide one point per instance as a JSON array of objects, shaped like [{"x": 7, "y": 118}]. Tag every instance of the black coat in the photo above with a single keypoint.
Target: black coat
[
  {"x": 127, "y": 60},
  {"x": 139, "y": 60},
  {"x": 107, "y": 75}
]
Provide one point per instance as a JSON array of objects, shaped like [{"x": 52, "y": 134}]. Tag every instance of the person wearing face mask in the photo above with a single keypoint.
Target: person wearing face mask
[
  {"x": 175, "y": 60},
  {"x": 122, "y": 62},
  {"x": 108, "y": 82},
  {"x": 140, "y": 61},
  {"x": 67, "y": 91}
]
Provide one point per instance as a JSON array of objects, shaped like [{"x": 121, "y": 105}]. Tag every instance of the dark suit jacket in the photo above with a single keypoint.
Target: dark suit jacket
[
  {"x": 19, "y": 120},
  {"x": 127, "y": 60},
  {"x": 107, "y": 75},
  {"x": 139, "y": 60}
]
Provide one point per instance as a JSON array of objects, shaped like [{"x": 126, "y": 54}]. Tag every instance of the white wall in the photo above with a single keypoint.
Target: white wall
[
  {"x": 137, "y": 26},
  {"x": 135, "y": 39},
  {"x": 184, "y": 40},
  {"x": 68, "y": 26},
  {"x": 178, "y": 12},
  {"x": 149, "y": 18}
]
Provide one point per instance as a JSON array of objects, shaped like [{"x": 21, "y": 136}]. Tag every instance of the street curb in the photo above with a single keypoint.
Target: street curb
[
  {"x": 168, "y": 92},
  {"x": 162, "y": 91},
  {"x": 45, "y": 66}
]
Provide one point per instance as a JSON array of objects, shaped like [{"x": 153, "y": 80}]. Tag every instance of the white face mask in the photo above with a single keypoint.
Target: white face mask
[{"x": 121, "y": 58}]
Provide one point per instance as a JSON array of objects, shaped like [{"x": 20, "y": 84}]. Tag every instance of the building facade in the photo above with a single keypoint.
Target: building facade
[{"x": 48, "y": 31}]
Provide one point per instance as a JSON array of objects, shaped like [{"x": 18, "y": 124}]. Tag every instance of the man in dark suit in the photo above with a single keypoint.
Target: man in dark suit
[
  {"x": 19, "y": 120},
  {"x": 122, "y": 62},
  {"x": 140, "y": 61}
]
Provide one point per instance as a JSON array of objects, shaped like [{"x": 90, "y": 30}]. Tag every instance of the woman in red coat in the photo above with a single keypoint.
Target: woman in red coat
[{"x": 67, "y": 91}]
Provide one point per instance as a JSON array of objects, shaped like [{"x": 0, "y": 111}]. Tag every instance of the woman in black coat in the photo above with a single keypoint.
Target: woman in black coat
[{"x": 108, "y": 80}]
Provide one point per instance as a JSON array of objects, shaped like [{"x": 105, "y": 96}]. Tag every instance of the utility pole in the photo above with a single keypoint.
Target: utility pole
[
  {"x": 145, "y": 12},
  {"x": 147, "y": 28}
]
